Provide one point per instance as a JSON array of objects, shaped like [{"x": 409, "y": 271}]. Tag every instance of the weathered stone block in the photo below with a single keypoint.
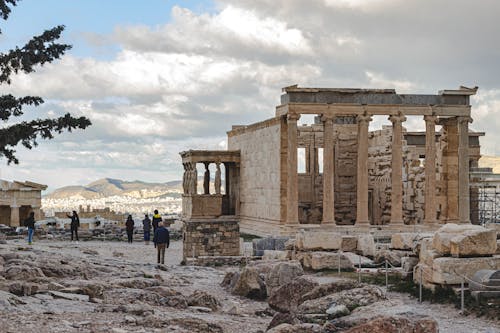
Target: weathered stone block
[
  {"x": 349, "y": 243},
  {"x": 329, "y": 260},
  {"x": 446, "y": 270},
  {"x": 403, "y": 240},
  {"x": 474, "y": 243},
  {"x": 366, "y": 245},
  {"x": 310, "y": 240},
  {"x": 268, "y": 243},
  {"x": 276, "y": 255},
  {"x": 442, "y": 238}
]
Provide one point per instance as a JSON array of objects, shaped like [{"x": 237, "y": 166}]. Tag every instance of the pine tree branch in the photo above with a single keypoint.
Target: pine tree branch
[
  {"x": 11, "y": 106},
  {"x": 27, "y": 133},
  {"x": 5, "y": 9},
  {"x": 38, "y": 51}
]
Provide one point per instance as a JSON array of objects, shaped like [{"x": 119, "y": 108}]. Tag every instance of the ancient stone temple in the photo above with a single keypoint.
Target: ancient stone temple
[
  {"x": 350, "y": 175},
  {"x": 18, "y": 199}
]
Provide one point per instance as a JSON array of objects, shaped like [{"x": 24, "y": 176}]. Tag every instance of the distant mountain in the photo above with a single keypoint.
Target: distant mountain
[{"x": 107, "y": 187}]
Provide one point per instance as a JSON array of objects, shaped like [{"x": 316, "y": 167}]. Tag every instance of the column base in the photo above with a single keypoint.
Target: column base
[
  {"x": 361, "y": 223},
  {"x": 328, "y": 222},
  {"x": 397, "y": 222}
]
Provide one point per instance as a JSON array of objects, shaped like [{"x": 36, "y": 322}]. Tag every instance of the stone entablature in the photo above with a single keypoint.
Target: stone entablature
[{"x": 18, "y": 199}]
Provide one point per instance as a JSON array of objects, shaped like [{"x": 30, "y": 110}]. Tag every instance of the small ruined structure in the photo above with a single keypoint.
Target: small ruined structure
[
  {"x": 351, "y": 176},
  {"x": 18, "y": 199}
]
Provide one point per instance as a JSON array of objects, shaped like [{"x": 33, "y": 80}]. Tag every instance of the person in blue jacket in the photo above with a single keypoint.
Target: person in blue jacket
[
  {"x": 161, "y": 240},
  {"x": 30, "y": 224}
]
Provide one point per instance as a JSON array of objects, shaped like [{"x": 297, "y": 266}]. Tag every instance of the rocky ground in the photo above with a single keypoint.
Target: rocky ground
[{"x": 55, "y": 286}]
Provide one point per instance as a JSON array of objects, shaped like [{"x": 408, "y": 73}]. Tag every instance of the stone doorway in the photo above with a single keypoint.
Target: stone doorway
[
  {"x": 5, "y": 215},
  {"x": 24, "y": 212}
]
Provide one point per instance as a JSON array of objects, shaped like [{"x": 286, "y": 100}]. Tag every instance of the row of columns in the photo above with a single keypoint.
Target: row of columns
[
  {"x": 190, "y": 178},
  {"x": 15, "y": 219},
  {"x": 362, "y": 218}
]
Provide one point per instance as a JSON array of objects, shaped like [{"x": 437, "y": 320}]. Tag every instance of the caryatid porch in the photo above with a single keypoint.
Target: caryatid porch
[
  {"x": 449, "y": 108},
  {"x": 206, "y": 204}
]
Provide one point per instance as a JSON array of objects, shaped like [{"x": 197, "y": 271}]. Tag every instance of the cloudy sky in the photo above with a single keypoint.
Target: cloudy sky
[{"x": 157, "y": 77}]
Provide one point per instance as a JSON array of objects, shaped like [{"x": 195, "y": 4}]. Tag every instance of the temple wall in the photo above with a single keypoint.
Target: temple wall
[
  {"x": 379, "y": 170},
  {"x": 261, "y": 171}
]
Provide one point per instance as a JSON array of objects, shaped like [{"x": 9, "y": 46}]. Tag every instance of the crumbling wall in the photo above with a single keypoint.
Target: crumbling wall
[
  {"x": 414, "y": 187},
  {"x": 211, "y": 238},
  {"x": 379, "y": 171},
  {"x": 379, "y": 174}
]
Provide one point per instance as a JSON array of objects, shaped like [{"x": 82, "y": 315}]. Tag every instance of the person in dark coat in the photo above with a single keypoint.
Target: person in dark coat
[
  {"x": 75, "y": 224},
  {"x": 146, "y": 227},
  {"x": 156, "y": 219},
  {"x": 130, "y": 228},
  {"x": 161, "y": 240},
  {"x": 30, "y": 224}
]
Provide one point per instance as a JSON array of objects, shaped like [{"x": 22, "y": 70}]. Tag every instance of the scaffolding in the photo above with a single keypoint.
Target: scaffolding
[{"x": 485, "y": 201}]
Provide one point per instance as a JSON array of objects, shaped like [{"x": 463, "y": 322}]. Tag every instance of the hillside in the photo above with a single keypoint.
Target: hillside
[
  {"x": 115, "y": 187},
  {"x": 490, "y": 162}
]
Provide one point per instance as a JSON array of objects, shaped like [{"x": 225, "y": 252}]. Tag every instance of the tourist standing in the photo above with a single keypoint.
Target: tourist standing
[
  {"x": 30, "y": 224},
  {"x": 129, "y": 225},
  {"x": 161, "y": 240},
  {"x": 146, "y": 227},
  {"x": 156, "y": 220},
  {"x": 75, "y": 224}
]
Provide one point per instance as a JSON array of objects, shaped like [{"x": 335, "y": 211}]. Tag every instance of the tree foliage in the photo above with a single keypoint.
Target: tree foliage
[{"x": 38, "y": 51}]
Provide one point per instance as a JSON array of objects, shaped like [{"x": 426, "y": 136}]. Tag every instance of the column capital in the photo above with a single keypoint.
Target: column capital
[
  {"x": 364, "y": 118},
  {"x": 397, "y": 118},
  {"x": 431, "y": 119},
  {"x": 464, "y": 119},
  {"x": 327, "y": 118},
  {"x": 293, "y": 116}
]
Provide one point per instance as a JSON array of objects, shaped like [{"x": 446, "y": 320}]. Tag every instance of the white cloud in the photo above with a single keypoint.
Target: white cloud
[{"x": 377, "y": 80}]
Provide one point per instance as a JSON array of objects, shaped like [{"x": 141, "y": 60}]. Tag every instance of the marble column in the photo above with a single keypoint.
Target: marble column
[
  {"x": 185, "y": 183},
  {"x": 397, "y": 169},
  {"x": 193, "y": 179},
  {"x": 362, "y": 171},
  {"x": 430, "y": 170},
  {"x": 463, "y": 170},
  {"x": 218, "y": 180},
  {"x": 292, "y": 194},
  {"x": 14, "y": 216},
  {"x": 328, "y": 171}
]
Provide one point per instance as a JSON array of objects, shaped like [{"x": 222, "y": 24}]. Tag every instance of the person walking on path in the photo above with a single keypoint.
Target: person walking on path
[
  {"x": 75, "y": 224},
  {"x": 161, "y": 240},
  {"x": 130, "y": 228},
  {"x": 156, "y": 220},
  {"x": 30, "y": 224},
  {"x": 146, "y": 227}
]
